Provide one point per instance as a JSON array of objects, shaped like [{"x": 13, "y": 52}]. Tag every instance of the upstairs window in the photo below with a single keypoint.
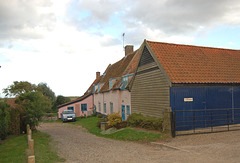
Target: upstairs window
[
  {"x": 124, "y": 82},
  {"x": 83, "y": 107},
  {"x": 94, "y": 89},
  {"x": 110, "y": 84}
]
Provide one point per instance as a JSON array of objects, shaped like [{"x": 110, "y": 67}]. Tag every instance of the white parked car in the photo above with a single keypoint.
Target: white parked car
[{"x": 68, "y": 115}]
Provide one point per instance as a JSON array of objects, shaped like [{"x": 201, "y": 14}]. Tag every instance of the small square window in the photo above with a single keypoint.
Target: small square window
[{"x": 83, "y": 107}]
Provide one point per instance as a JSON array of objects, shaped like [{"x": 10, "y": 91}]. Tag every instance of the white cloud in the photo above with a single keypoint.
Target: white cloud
[{"x": 63, "y": 43}]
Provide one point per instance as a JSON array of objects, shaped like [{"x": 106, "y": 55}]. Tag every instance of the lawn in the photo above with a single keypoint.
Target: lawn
[
  {"x": 45, "y": 148},
  {"x": 126, "y": 134},
  {"x": 14, "y": 149}
]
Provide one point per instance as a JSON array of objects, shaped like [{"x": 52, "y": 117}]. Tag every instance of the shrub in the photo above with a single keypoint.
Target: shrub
[
  {"x": 4, "y": 120},
  {"x": 14, "y": 127},
  {"x": 147, "y": 122},
  {"x": 122, "y": 124},
  {"x": 135, "y": 119},
  {"x": 99, "y": 115},
  {"x": 114, "y": 119}
]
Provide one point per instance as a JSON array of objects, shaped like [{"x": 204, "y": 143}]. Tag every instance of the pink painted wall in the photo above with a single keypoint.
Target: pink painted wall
[
  {"x": 117, "y": 97},
  {"x": 77, "y": 107}
]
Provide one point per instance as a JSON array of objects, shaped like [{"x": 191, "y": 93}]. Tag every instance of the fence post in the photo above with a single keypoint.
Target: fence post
[
  {"x": 31, "y": 159},
  {"x": 173, "y": 124},
  {"x": 31, "y": 146}
]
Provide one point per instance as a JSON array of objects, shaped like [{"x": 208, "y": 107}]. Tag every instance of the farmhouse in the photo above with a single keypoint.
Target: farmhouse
[
  {"x": 111, "y": 93},
  {"x": 183, "y": 78},
  {"x": 82, "y": 106}
]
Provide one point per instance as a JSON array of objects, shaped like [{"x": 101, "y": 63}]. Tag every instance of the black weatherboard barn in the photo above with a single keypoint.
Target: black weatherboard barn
[{"x": 200, "y": 84}]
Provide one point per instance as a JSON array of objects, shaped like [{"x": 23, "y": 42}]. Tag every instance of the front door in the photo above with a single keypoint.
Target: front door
[{"x": 123, "y": 112}]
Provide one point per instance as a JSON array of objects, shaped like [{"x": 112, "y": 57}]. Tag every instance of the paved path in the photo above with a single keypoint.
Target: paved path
[{"x": 77, "y": 145}]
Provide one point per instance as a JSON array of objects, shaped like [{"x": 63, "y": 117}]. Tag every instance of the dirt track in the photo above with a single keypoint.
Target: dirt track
[{"x": 76, "y": 145}]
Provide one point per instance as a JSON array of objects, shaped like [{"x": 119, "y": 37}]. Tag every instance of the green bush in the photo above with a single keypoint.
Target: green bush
[
  {"x": 122, "y": 124},
  {"x": 147, "y": 122},
  {"x": 114, "y": 119},
  {"x": 4, "y": 120},
  {"x": 135, "y": 119},
  {"x": 99, "y": 115},
  {"x": 14, "y": 127}
]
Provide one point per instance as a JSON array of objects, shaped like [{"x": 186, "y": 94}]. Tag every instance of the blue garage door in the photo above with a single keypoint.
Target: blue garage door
[{"x": 199, "y": 107}]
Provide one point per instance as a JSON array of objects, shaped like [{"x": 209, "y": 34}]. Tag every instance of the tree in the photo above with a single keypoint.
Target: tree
[
  {"x": 18, "y": 88},
  {"x": 4, "y": 119},
  {"x": 33, "y": 105},
  {"x": 46, "y": 91},
  {"x": 60, "y": 100}
]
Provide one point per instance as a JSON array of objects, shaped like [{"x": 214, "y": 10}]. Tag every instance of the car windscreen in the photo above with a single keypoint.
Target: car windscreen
[{"x": 68, "y": 112}]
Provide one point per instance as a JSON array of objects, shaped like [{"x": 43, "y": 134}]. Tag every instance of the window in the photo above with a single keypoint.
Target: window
[
  {"x": 83, "y": 107},
  {"x": 98, "y": 87},
  {"x": 94, "y": 89},
  {"x": 99, "y": 106},
  {"x": 111, "y": 107},
  {"x": 124, "y": 82},
  {"x": 105, "y": 108},
  {"x": 128, "y": 109},
  {"x": 110, "y": 84},
  {"x": 70, "y": 108}
]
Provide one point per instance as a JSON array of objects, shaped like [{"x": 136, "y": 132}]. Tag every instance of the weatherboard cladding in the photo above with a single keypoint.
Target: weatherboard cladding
[{"x": 150, "y": 89}]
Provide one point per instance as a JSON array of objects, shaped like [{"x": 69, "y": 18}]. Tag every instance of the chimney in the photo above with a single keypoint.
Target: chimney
[
  {"x": 97, "y": 74},
  {"x": 128, "y": 49}
]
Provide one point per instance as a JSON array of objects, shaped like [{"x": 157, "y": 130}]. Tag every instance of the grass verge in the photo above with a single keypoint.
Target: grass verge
[
  {"x": 14, "y": 149},
  {"x": 126, "y": 134},
  {"x": 44, "y": 148}
]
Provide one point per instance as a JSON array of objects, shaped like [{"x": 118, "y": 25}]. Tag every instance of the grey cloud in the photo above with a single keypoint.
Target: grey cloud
[
  {"x": 170, "y": 16},
  {"x": 180, "y": 16},
  {"x": 17, "y": 17}
]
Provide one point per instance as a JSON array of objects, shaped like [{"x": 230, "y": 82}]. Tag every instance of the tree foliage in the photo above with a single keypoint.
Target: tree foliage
[
  {"x": 4, "y": 119},
  {"x": 46, "y": 91},
  {"x": 61, "y": 100},
  {"x": 33, "y": 105},
  {"x": 18, "y": 88}
]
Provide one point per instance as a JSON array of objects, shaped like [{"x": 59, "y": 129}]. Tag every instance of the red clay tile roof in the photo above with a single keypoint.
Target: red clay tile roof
[
  {"x": 195, "y": 64},
  {"x": 125, "y": 66}
]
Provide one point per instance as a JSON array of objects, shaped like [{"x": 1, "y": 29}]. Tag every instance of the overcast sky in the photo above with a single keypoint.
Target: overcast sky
[{"x": 64, "y": 42}]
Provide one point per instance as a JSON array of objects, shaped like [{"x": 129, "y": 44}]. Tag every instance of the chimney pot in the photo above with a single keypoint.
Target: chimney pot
[
  {"x": 97, "y": 74},
  {"x": 128, "y": 49}
]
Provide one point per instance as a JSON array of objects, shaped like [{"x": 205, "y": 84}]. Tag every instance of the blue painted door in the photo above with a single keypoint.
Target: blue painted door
[{"x": 123, "y": 112}]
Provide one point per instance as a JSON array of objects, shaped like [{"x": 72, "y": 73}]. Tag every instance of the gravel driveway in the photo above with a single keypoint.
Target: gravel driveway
[{"x": 77, "y": 145}]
